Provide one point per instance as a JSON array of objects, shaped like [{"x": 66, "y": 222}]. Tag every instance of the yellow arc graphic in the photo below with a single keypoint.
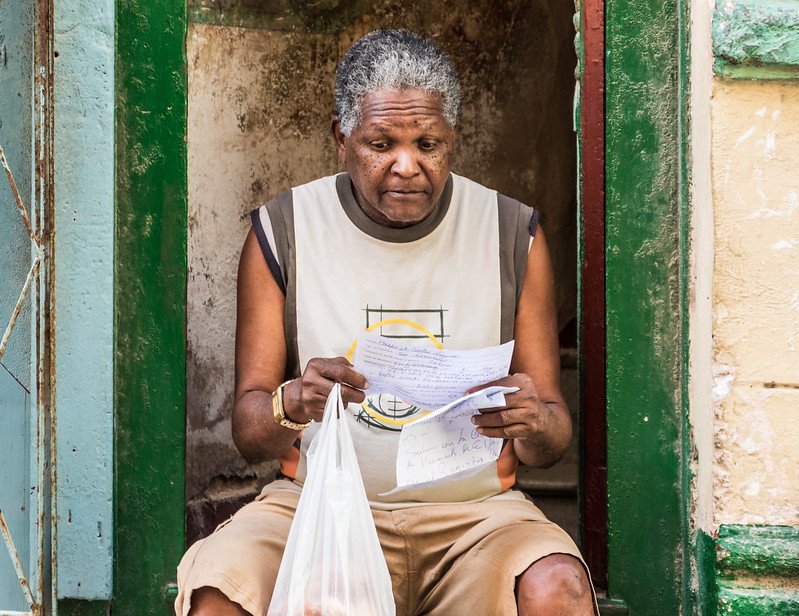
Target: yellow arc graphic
[
  {"x": 376, "y": 416},
  {"x": 410, "y": 324}
]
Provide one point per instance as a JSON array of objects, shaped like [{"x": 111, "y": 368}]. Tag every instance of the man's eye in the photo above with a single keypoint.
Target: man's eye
[
  {"x": 427, "y": 146},
  {"x": 379, "y": 145}
]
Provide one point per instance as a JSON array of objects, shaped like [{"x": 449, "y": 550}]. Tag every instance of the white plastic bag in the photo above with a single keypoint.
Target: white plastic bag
[{"x": 333, "y": 564}]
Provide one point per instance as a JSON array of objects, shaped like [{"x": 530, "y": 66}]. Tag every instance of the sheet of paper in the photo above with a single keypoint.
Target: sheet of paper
[
  {"x": 469, "y": 472},
  {"x": 445, "y": 442},
  {"x": 423, "y": 376}
]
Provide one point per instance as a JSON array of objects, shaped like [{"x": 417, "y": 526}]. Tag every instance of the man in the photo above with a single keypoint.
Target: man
[{"x": 400, "y": 245}]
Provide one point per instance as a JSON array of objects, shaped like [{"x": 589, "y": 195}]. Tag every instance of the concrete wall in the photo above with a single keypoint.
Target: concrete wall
[
  {"x": 84, "y": 296},
  {"x": 756, "y": 301},
  {"x": 259, "y": 109}
]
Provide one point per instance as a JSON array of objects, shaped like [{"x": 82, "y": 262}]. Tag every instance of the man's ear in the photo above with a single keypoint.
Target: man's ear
[{"x": 340, "y": 139}]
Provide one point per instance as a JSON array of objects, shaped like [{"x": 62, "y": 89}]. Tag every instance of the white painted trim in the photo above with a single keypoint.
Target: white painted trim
[{"x": 700, "y": 385}]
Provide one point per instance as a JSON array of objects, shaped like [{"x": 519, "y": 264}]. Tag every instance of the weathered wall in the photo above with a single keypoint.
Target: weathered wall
[
  {"x": 744, "y": 306},
  {"x": 17, "y": 434},
  {"x": 84, "y": 296},
  {"x": 756, "y": 301},
  {"x": 259, "y": 108}
]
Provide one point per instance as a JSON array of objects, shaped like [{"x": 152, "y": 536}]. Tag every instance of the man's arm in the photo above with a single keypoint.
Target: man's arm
[
  {"x": 261, "y": 366},
  {"x": 536, "y": 416}
]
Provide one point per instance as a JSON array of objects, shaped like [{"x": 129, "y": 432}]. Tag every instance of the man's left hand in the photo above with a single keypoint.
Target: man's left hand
[{"x": 523, "y": 416}]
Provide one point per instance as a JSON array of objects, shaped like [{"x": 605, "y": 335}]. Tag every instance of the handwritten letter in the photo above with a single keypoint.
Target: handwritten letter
[
  {"x": 428, "y": 378},
  {"x": 446, "y": 442}
]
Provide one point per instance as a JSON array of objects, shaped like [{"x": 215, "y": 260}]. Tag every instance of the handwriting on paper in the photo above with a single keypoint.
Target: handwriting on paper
[
  {"x": 445, "y": 442},
  {"x": 428, "y": 378}
]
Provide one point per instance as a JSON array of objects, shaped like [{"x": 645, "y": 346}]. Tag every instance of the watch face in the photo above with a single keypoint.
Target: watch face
[
  {"x": 280, "y": 413},
  {"x": 277, "y": 406}
]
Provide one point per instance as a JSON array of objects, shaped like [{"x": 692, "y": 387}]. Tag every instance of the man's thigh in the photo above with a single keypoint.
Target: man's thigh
[
  {"x": 441, "y": 557},
  {"x": 242, "y": 557},
  {"x": 471, "y": 555}
]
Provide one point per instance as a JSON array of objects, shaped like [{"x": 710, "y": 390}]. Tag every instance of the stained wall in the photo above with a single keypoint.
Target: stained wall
[
  {"x": 260, "y": 97},
  {"x": 755, "y": 142}
]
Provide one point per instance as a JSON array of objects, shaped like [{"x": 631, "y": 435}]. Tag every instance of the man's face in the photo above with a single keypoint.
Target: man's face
[{"x": 398, "y": 155}]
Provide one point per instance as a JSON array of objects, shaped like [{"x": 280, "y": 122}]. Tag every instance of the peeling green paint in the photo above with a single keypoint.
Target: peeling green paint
[
  {"x": 737, "y": 601},
  {"x": 755, "y": 551},
  {"x": 757, "y": 570},
  {"x": 279, "y": 15},
  {"x": 150, "y": 302},
  {"x": 756, "y": 39},
  {"x": 695, "y": 599},
  {"x": 706, "y": 590},
  {"x": 644, "y": 327},
  {"x": 74, "y": 607}
]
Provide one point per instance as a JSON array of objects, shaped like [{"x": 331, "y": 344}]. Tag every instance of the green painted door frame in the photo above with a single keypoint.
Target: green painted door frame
[
  {"x": 150, "y": 326},
  {"x": 647, "y": 214},
  {"x": 649, "y": 537},
  {"x": 150, "y": 309}
]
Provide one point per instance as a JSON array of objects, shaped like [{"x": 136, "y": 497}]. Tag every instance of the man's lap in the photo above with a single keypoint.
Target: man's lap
[{"x": 441, "y": 557}]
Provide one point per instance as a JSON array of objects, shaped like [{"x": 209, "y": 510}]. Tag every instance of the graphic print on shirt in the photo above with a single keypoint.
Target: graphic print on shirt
[{"x": 385, "y": 411}]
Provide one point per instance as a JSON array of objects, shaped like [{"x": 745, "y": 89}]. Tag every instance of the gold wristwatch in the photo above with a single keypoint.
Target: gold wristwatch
[{"x": 280, "y": 412}]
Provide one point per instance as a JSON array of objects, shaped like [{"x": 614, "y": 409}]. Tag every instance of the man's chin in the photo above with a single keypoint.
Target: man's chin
[
  {"x": 407, "y": 211},
  {"x": 400, "y": 219}
]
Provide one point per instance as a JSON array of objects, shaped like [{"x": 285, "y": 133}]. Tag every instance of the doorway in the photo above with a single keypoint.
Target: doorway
[
  {"x": 649, "y": 543},
  {"x": 260, "y": 99}
]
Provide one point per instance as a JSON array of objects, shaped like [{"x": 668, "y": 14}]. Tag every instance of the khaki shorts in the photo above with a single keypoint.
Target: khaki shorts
[{"x": 441, "y": 557}]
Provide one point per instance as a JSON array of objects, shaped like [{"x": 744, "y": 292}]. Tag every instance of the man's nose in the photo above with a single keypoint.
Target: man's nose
[{"x": 405, "y": 163}]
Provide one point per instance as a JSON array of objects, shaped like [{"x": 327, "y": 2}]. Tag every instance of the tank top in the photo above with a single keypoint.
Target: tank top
[{"x": 451, "y": 281}]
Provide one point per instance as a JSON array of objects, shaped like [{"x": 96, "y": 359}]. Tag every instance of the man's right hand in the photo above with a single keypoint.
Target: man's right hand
[{"x": 305, "y": 397}]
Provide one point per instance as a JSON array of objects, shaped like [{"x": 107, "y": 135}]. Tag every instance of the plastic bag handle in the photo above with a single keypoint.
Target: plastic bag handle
[{"x": 330, "y": 424}]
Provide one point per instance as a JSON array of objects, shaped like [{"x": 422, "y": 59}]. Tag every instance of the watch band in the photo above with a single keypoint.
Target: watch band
[{"x": 280, "y": 413}]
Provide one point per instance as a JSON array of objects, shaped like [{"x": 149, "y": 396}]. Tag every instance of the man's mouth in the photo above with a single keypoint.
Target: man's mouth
[{"x": 404, "y": 192}]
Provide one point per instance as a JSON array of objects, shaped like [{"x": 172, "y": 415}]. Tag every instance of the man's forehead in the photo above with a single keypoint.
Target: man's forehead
[{"x": 391, "y": 106}]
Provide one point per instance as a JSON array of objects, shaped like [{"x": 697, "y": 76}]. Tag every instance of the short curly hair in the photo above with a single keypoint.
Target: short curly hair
[{"x": 394, "y": 60}]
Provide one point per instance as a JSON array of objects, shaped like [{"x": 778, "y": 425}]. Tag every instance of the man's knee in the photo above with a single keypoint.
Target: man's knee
[
  {"x": 209, "y": 601},
  {"x": 555, "y": 584}
]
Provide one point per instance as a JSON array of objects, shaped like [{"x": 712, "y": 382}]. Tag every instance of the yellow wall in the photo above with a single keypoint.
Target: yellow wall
[{"x": 755, "y": 178}]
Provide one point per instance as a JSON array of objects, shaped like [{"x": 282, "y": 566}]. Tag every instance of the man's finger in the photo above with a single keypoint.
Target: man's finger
[
  {"x": 343, "y": 372},
  {"x": 512, "y": 431},
  {"x": 513, "y": 400},
  {"x": 350, "y": 394},
  {"x": 500, "y": 417}
]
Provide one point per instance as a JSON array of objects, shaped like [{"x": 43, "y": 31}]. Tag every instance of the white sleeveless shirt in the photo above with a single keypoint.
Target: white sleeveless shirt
[{"x": 451, "y": 281}]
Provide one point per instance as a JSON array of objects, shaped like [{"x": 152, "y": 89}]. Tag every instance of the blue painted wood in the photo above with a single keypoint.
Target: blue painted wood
[
  {"x": 84, "y": 220},
  {"x": 15, "y": 501},
  {"x": 17, "y": 498},
  {"x": 16, "y": 18}
]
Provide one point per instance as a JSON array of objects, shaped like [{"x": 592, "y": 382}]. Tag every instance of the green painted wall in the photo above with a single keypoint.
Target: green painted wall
[
  {"x": 757, "y": 569},
  {"x": 150, "y": 228},
  {"x": 705, "y": 589},
  {"x": 756, "y": 39},
  {"x": 150, "y": 301},
  {"x": 758, "y": 550},
  {"x": 645, "y": 340},
  {"x": 741, "y": 601}
]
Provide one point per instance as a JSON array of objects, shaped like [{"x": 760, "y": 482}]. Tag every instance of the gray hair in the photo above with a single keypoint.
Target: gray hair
[{"x": 394, "y": 60}]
